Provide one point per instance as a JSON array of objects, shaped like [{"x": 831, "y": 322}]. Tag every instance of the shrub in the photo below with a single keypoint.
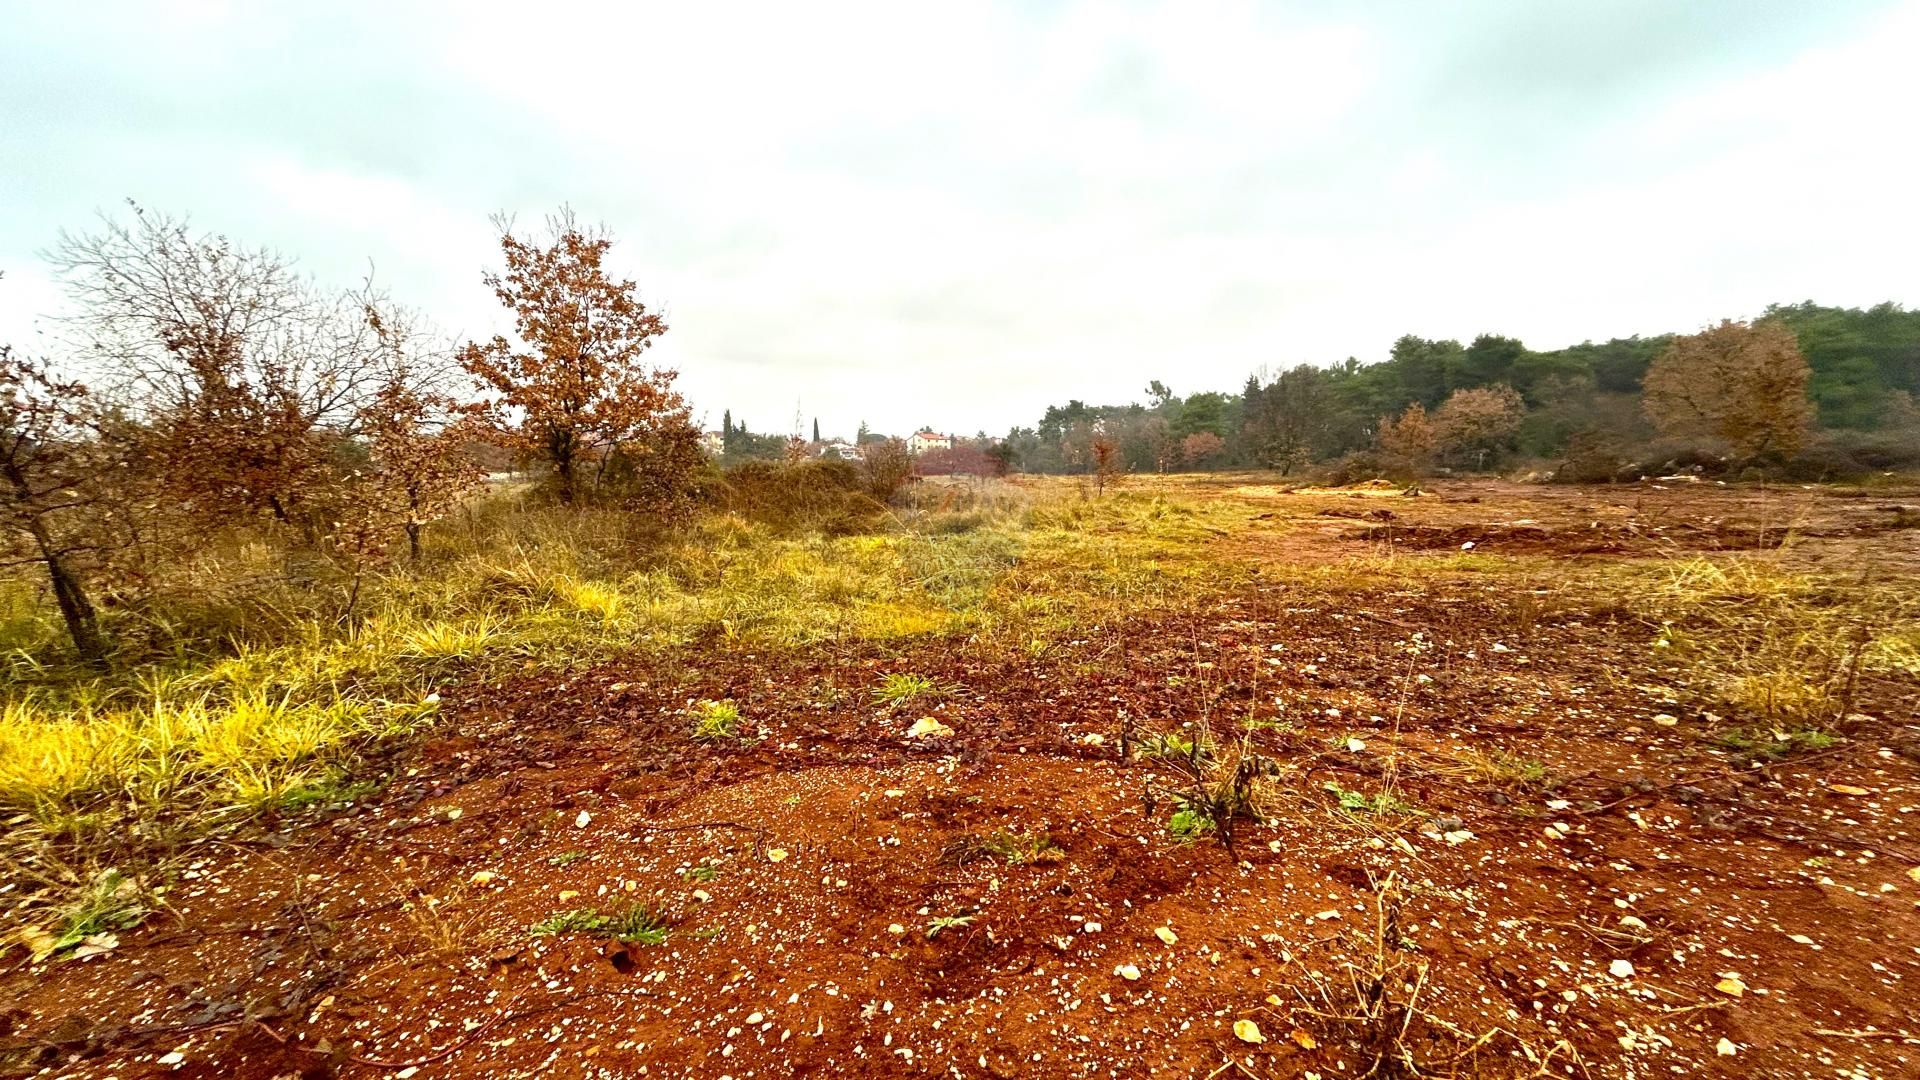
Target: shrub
[{"x": 829, "y": 496}]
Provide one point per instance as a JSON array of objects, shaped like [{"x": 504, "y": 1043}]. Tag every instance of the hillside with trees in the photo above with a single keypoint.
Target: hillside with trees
[{"x": 1804, "y": 391}]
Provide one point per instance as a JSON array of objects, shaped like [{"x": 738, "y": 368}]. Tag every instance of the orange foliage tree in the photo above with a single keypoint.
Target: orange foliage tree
[
  {"x": 1201, "y": 448},
  {"x": 1742, "y": 383},
  {"x": 1409, "y": 436},
  {"x": 1478, "y": 421},
  {"x": 575, "y": 389},
  {"x": 1106, "y": 461}
]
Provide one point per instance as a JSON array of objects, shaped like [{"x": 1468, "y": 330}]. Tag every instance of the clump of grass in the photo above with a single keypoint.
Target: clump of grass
[
  {"x": 566, "y": 858},
  {"x": 1173, "y": 746},
  {"x": 714, "y": 721},
  {"x": 635, "y": 924},
  {"x": 899, "y": 688},
  {"x": 1755, "y": 743},
  {"x": 943, "y": 923},
  {"x": 448, "y": 641},
  {"x": 597, "y": 599},
  {"x": 1015, "y": 848},
  {"x": 1501, "y": 769},
  {"x": 1382, "y": 804}
]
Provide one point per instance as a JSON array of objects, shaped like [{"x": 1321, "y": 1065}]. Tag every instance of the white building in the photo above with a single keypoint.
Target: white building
[
  {"x": 923, "y": 440},
  {"x": 712, "y": 443},
  {"x": 840, "y": 448}
]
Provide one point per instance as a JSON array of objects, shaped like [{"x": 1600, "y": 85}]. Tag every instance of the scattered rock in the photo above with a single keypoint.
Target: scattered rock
[{"x": 1621, "y": 968}]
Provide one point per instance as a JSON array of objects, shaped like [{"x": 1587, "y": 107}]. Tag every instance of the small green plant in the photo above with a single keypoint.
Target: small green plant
[
  {"x": 566, "y": 858},
  {"x": 112, "y": 901},
  {"x": 577, "y": 921},
  {"x": 634, "y": 925},
  {"x": 1016, "y": 848},
  {"x": 948, "y": 922},
  {"x": 1355, "y": 803},
  {"x": 716, "y": 720},
  {"x": 1775, "y": 745},
  {"x": 1188, "y": 824},
  {"x": 902, "y": 687},
  {"x": 639, "y": 925},
  {"x": 706, "y": 871},
  {"x": 332, "y": 791},
  {"x": 1173, "y": 745}
]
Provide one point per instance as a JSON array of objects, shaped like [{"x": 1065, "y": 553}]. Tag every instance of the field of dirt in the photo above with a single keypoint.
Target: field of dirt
[{"x": 1493, "y": 845}]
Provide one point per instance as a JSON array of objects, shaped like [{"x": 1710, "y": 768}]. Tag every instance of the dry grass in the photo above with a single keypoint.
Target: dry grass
[{"x": 260, "y": 692}]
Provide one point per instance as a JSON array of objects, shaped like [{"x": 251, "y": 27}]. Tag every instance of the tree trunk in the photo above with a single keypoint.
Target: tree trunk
[
  {"x": 413, "y": 542},
  {"x": 560, "y": 452},
  {"x": 83, "y": 623}
]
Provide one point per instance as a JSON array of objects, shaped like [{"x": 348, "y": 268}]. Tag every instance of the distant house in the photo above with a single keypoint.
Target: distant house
[
  {"x": 922, "y": 441},
  {"x": 712, "y": 443},
  {"x": 839, "y": 448}
]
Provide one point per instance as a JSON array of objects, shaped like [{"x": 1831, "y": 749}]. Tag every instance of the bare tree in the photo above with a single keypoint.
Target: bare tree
[{"x": 245, "y": 375}]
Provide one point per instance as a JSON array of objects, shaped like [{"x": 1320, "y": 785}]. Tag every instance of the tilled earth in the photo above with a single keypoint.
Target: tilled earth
[{"x": 1506, "y": 846}]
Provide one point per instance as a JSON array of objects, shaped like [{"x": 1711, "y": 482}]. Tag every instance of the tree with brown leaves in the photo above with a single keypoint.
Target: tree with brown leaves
[
  {"x": 1742, "y": 383},
  {"x": 1409, "y": 436},
  {"x": 1478, "y": 422},
  {"x": 246, "y": 378},
  {"x": 885, "y": 465},
  {"x": 575, "y": 389},
  {"x": 1202, "y": 448},
  {"x": 417, "y": 449},
  {"x": 1106, "y": 461}
]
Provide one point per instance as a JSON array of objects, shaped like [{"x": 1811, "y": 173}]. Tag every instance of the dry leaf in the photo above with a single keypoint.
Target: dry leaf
[
  {"x": 778, "y": 854},
  {"x": 1166, "y": 934},
  {"x": 1304, "y": 1038},
  {"x": 1731, "y": 986},
  {"x": 1247, "y": 1031},
  {"x": 1848, "y": 789},
  {"x": 38, "y": 942},
  {"x": 927, "y": 727}
]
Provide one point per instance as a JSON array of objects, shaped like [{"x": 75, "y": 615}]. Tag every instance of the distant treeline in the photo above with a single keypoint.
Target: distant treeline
[{"x": 1495, "y": 402}]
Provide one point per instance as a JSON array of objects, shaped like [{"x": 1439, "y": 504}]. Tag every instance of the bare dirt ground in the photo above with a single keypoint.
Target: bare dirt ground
[{"x": 1496, "y": 808}]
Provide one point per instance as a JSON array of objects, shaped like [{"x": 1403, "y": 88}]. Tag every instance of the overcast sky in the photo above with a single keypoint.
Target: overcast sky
[{"x": 955, "y": 214}]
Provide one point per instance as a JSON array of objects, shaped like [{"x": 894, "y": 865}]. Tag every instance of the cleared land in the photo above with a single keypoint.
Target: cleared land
[{"x": 1491, "y": 780}]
